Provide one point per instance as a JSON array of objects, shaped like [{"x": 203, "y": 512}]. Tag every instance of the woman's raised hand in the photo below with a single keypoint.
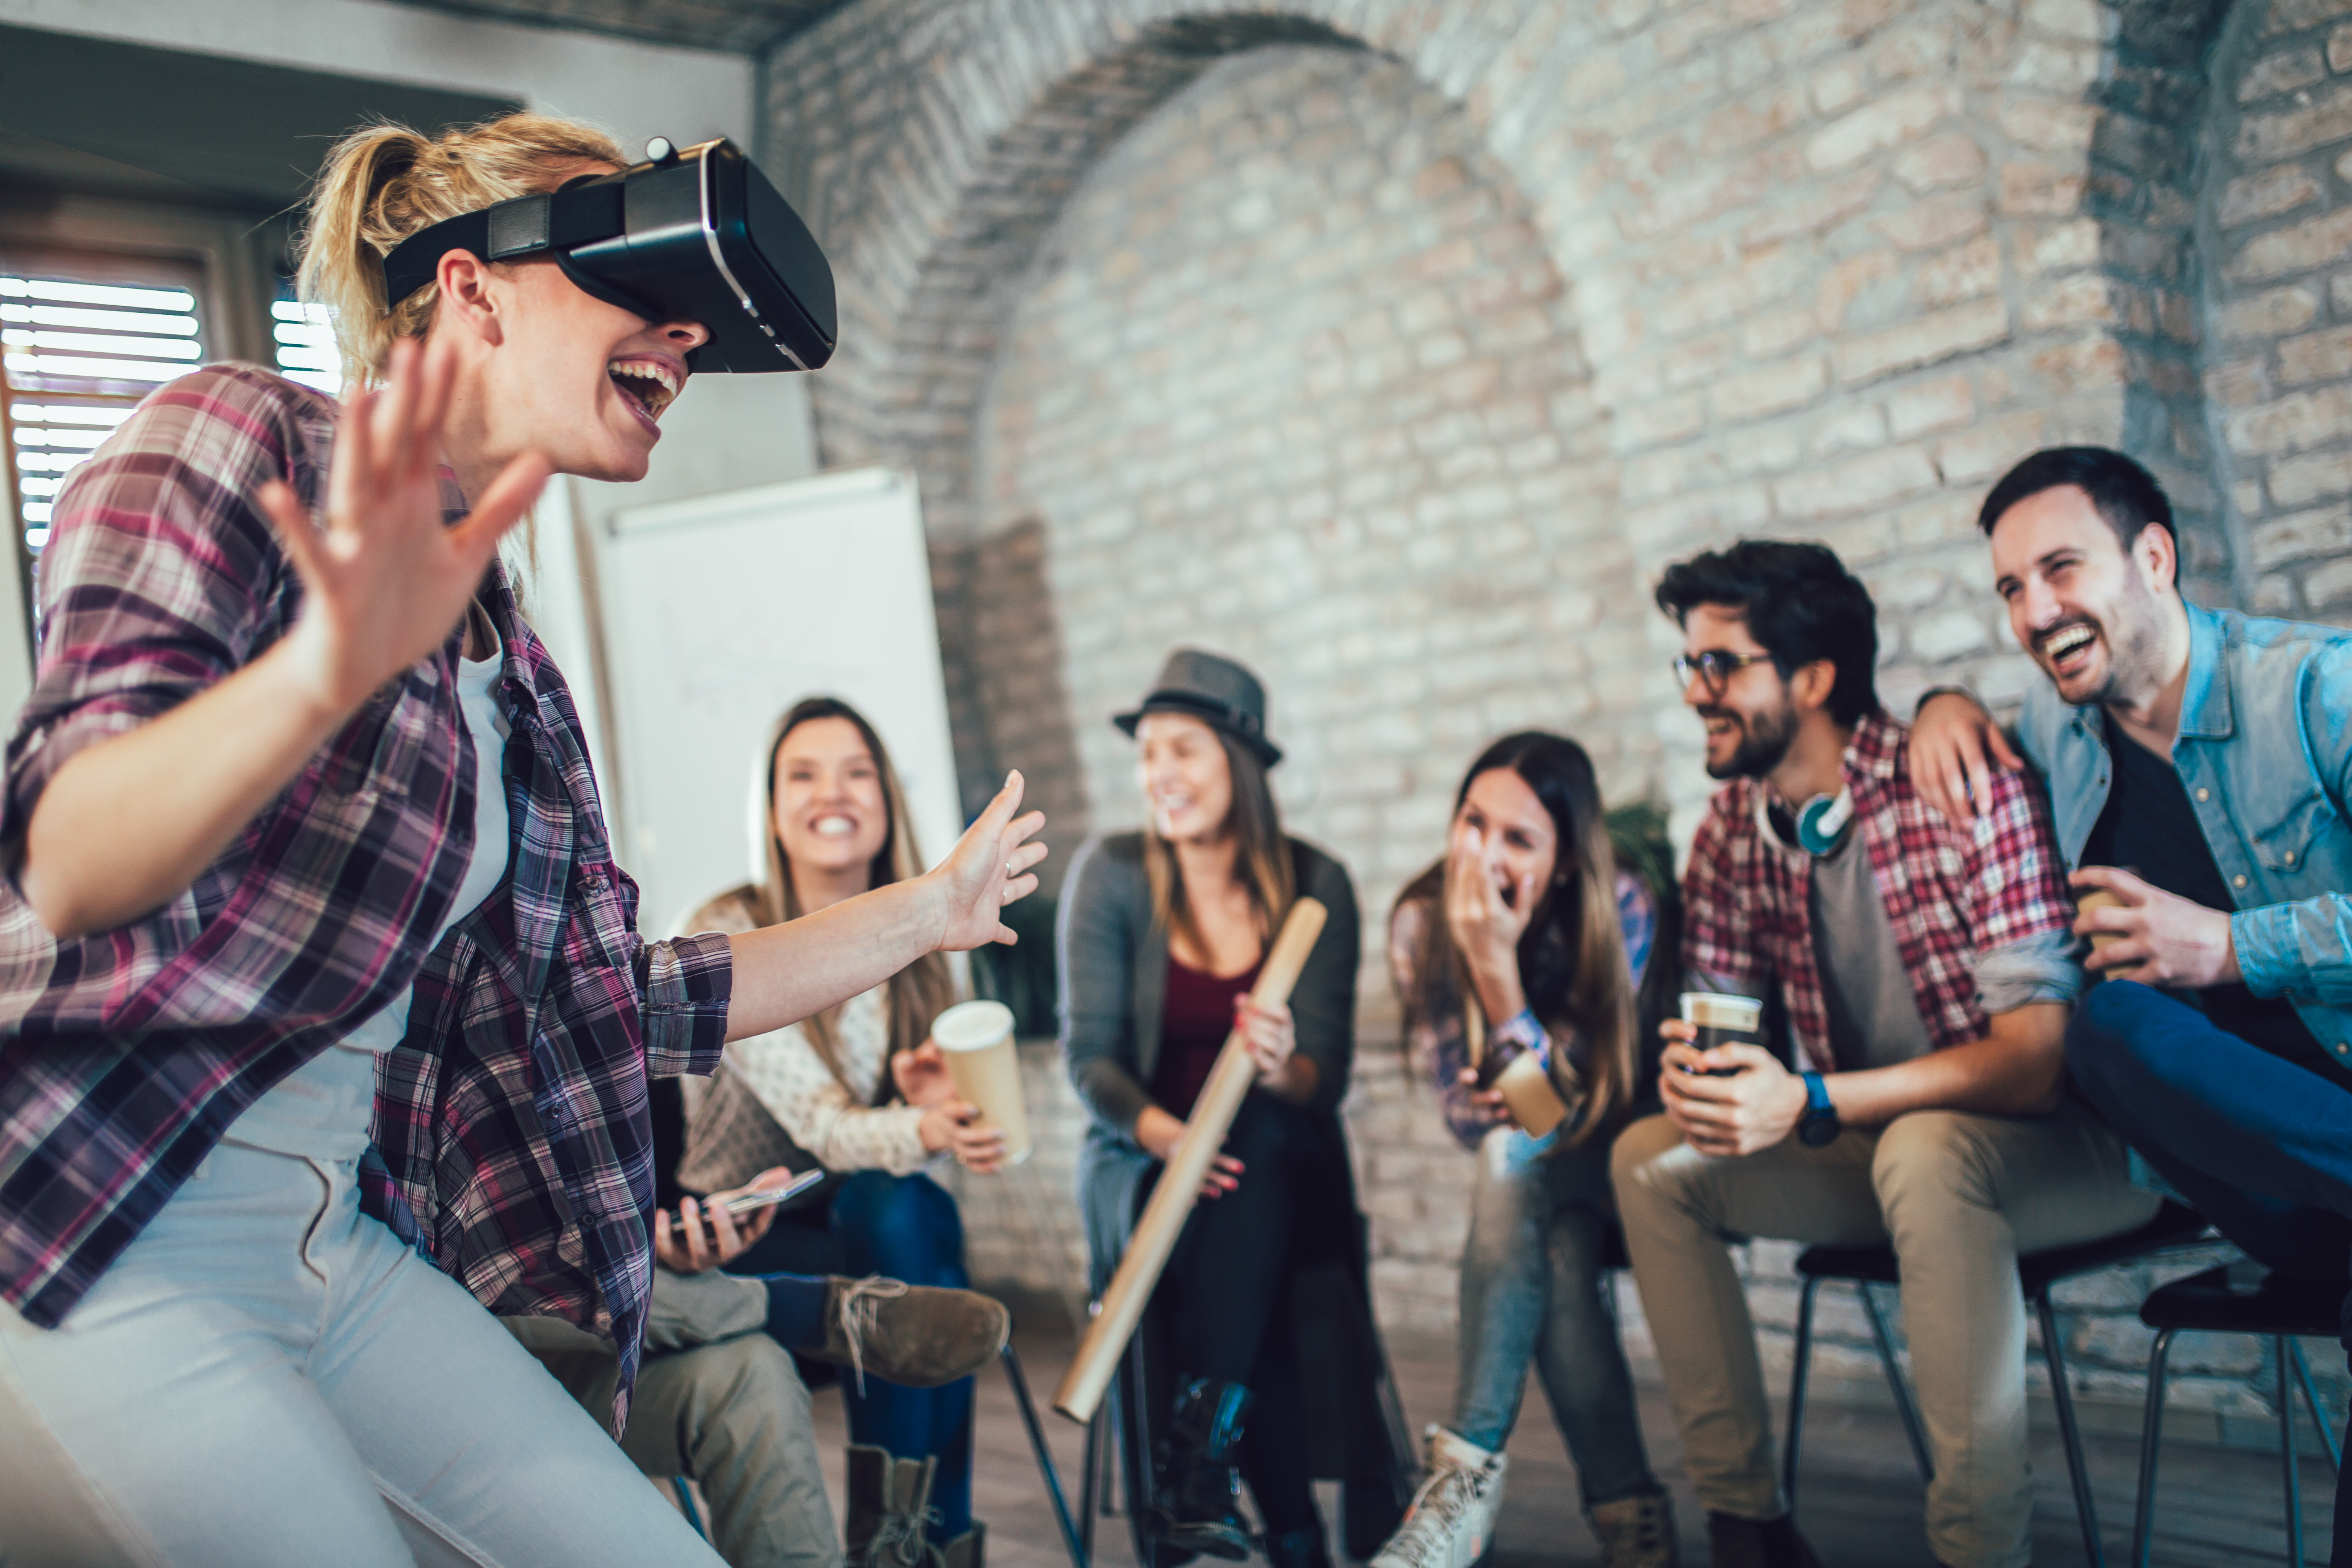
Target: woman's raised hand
[
  {"x": 989, "y": 867},
  {"x": 385, "y": 580},
  {"x": 1484, "y": 926}
]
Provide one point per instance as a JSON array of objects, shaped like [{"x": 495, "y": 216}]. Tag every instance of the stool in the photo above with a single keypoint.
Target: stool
[
  {"x": 2275, "y": 1307},
  {"x": 2174, "y": 1227}
]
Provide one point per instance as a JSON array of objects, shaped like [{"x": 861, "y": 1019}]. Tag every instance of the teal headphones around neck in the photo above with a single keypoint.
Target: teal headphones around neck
[{"x": 1816, "y": 827}]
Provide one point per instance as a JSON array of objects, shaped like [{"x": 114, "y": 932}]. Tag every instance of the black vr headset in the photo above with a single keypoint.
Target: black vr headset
[{"x": 694, "y": 235}]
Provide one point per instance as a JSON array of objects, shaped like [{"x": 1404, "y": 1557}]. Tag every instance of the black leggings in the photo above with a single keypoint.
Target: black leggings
[{"x": 1226, "y": 1287}]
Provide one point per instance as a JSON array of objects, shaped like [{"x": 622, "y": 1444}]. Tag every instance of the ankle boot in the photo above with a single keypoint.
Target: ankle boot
[
  {"x": 890, "y": 1510},
  {"x": 966, "y": 1551},
  {"x": 1199, "y": 1509},
  {"x": 1299, "y": 1549},
  {"x": 1733, "y": 1543}
]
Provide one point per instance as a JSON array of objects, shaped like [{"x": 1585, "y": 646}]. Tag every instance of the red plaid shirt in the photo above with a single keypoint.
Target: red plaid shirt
[
  {"x": 513, "y": 1143},
  {"x": 1951, "y": 895}
]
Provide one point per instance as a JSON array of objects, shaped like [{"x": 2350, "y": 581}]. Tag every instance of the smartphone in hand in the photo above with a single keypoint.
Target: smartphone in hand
[{"x": 759, "y": 1198}]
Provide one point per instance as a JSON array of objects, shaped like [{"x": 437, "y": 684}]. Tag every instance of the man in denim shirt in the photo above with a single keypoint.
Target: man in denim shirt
[{"x": 2198, "y": 762}]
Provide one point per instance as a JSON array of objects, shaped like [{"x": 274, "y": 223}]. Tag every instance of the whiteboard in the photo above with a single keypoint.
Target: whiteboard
[{"x": 723, "y": 611}]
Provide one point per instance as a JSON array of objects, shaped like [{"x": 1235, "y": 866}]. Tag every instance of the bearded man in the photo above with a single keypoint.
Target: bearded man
[
  {"x": 2200, "y": 762},
  {"x": 1926, "y": 972}
]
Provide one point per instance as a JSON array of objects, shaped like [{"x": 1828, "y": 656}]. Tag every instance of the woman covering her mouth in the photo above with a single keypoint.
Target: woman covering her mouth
[
  {"x": 860, "y": 1090},
  {"x": 299, "y": 824}
]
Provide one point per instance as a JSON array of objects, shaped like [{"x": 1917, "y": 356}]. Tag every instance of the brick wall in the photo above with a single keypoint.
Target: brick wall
[
  {"x": 1296, "y": 381},
  {"x": 2275, "y": 235},
  {"x": 1397, "y": 352}
]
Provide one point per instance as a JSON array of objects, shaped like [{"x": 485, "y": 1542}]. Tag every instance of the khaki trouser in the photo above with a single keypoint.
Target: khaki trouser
[
  {"x": 1959, "y": 1196},
  {"x": 716, "y": 1400}
]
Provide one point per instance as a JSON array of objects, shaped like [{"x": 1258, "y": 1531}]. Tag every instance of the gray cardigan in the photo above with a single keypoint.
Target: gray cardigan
[{"x": 1113, "y": 958}]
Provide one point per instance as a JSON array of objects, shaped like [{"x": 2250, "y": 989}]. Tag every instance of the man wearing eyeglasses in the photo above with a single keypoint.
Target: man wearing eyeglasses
[{"x": 1926, "y": 972}]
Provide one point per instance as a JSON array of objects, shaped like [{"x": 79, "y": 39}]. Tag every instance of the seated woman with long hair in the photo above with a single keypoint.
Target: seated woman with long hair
[
  {"x": 1531, "y": 934},
  {"x": 1162, "y": 934},
  {"x": 861, "y": 1089}
]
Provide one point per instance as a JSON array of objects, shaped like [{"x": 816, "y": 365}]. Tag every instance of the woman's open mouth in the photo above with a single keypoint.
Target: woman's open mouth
[{"x": 647, "y": 387}]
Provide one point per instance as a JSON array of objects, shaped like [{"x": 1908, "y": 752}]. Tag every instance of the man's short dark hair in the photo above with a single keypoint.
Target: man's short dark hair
[
  {"x": 1798, "y": 601},
  {"x": 2126, "y": 494}
]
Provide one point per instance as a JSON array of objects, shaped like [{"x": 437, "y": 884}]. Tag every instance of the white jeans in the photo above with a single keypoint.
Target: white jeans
[{"x": 267, "y": 1376}]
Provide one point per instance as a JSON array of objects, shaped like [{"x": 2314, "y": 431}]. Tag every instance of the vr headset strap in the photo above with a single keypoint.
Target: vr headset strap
[{"x": 550, "y": 220}]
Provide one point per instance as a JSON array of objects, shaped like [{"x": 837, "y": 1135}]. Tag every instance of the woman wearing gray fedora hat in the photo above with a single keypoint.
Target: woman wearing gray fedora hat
[{"x": 1161, "y": 935}]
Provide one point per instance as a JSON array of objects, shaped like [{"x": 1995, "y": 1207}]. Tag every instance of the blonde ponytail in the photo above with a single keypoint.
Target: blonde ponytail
[{"x": 383, "y": 182}]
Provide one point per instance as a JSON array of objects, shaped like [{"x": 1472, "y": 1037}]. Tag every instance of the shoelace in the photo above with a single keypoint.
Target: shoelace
[
  {"x": 1645, "y": 1532},
  {"x": 861, "y": 1306},
  {"x": 901, "y": 1536},
  {"x": 1436, "y": 1507}
]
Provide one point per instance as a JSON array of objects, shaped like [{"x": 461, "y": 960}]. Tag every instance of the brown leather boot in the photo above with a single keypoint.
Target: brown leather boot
[
  {"x": 917, "y": 1336},
  {"x": 969, "y": 1549},
  {"x": 889, "y": 1510},
  {"x": 1637, "y": 1531},
  {"x": 1757, "y": 1543}
]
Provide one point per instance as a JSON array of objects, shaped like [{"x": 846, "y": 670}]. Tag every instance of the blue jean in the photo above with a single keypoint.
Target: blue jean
[
  {"x": 2259, "y": 1146},
  {"x": 267, "y": 1376},
  {"x": 1533, "y": 1288},
  {"x": 902, "y": 1228}
]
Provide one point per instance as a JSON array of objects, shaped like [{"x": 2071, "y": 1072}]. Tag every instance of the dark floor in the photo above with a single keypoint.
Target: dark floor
[{"x": 1860, "y": 1503}]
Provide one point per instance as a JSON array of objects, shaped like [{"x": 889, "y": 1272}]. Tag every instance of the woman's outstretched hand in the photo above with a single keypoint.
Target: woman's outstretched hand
[
  {"x": 989, "y": 868},
  {"x": 385, "y": 580}
]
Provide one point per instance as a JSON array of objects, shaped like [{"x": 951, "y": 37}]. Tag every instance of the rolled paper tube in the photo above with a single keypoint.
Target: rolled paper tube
[{"x": 1163, "y": 1216}]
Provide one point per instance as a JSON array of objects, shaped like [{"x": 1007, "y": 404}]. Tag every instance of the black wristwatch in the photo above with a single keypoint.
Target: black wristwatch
[{"x": 1819, "y": 1125}]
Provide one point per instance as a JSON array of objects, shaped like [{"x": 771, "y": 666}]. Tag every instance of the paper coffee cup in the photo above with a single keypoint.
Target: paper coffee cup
[
  {"x": 2101, "y": 899},
  {"x": 976, "y": 1038},
  {"x": 1526, "y": 1089},
  {"x": 1722, "y": 1019}
]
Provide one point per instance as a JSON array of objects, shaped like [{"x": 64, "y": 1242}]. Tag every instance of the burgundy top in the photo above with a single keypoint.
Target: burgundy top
[{"x": 1194, "y": 1023}]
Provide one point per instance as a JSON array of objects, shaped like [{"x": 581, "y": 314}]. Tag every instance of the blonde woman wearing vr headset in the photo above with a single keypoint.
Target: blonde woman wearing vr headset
[{"x": 299, "y": 822}]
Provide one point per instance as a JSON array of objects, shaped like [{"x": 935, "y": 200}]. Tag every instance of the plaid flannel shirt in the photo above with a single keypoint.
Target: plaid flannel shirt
[
  {"x": 1951, "y": 894},
  {"x": 511, "y": 1139}
]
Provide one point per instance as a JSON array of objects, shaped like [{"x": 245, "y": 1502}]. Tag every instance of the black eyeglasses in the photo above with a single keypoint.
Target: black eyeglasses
[{"x": 1716, "y": 666}]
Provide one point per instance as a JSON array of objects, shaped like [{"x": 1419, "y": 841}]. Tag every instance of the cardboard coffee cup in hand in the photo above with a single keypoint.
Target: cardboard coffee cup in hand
[
  {"x": 1723, "y": 1020},
  {"x": 1526, "y": 1088},
  {"x": 976, "y": 1039},
  {"x": 2102, "y": 899}
]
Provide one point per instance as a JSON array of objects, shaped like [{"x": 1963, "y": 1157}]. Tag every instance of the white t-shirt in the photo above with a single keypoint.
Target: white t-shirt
[{"x": 322, "y": 1109}]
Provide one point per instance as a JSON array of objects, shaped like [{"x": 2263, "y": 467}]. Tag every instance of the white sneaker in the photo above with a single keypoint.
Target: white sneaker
[{"x": 1452, "y": 1521}]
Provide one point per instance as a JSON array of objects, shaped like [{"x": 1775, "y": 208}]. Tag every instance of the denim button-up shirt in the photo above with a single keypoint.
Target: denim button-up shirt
[{"x": 2265, "y": 754}]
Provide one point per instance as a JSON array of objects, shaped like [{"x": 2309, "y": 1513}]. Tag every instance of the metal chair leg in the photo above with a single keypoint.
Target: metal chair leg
[
  {"x": 2053, "y": 1356},
  {"x": 2328, "y": 1443},
  {"x": 1901, "y": 1390},
  {"x": 1797, "y": 1370},
  {"x": 2290, "y": 1461},
  {"x": 1045, "y": 1466},
  {"x": 677, "y": 1488},
  {"x": 2151, "y": 1434}
]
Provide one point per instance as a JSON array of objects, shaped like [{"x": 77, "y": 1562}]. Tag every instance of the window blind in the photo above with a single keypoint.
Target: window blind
[{"x": 78, "y": 358}]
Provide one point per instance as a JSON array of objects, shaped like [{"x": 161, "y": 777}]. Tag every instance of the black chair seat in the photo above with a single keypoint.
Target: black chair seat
[
  {"x": 2174, "y": 1225},
  {"x": 2205, "y": 1302},
  {"x": 2277, "y": 1309}
]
